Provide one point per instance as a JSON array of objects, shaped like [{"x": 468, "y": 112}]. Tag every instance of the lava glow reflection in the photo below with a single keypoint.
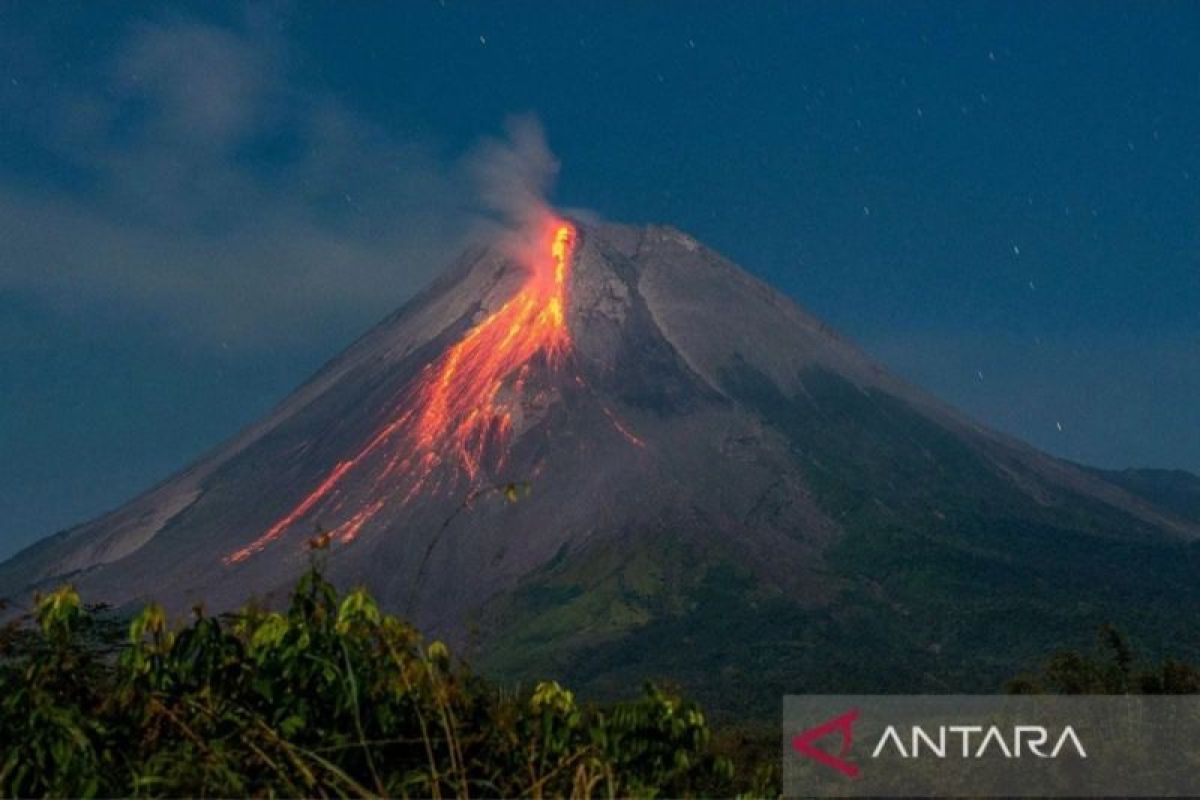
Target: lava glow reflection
[{"x": 462, "y": 404}]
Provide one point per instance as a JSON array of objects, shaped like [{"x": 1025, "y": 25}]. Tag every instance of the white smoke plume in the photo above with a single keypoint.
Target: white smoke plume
[{"x": 514, "y": 175}]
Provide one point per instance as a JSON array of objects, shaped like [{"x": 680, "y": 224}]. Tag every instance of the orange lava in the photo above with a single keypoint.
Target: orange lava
[
  {"x": 462, "y": 403},
  {"x": 461, "y": 408},
  {"x": 620, "y": 428}
]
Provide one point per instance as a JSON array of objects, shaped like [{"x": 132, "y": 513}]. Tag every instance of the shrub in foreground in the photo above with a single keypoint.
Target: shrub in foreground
[{"x": 330, "y": 697}]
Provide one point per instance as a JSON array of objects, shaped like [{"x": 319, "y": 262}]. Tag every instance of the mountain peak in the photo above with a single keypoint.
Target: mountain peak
[{"x": 688, "y": 437}]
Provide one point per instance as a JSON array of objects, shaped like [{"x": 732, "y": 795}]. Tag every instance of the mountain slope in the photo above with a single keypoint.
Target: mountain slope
[
  {"x": 1173, "y": 490},
  {"x": 723, "y": 492}
]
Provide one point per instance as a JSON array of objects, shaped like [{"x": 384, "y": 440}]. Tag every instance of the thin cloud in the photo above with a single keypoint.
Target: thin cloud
[{"x": 240, "y": 210}]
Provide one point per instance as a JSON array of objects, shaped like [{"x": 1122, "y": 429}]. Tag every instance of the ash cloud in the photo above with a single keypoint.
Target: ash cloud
[
  {"x": 210, "y": 193},
  {"x": 515, "y": 174}
]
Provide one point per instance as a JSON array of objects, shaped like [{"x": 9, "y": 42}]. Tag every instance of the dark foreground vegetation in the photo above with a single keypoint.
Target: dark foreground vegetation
[
  {"x": 332, "y": 697},
  {"x": 1111, "y": 668},
  {"x": 329, "y": 698}
]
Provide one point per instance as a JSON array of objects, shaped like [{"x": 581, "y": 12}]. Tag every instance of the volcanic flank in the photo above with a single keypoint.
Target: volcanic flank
[
  {"x": 452, "y": 418},
  {"x": 721, "y": 491}
]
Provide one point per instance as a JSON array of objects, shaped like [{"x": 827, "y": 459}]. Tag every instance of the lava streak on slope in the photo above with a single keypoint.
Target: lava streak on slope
[{"x": 460, "y": 408}]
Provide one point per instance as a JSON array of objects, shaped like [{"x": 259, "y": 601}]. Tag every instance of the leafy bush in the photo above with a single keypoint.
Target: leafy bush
[{"x": 330, "y": 697}]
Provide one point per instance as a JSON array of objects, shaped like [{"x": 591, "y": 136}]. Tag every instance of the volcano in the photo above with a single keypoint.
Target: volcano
[{"x": 604, "y": 452}]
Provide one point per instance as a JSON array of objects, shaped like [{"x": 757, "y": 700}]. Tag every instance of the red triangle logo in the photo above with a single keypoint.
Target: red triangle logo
[{"x": 802, "y": 743}]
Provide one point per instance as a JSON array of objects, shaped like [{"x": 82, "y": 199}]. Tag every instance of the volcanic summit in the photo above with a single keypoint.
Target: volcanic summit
[{"x": 599, "y": 450}]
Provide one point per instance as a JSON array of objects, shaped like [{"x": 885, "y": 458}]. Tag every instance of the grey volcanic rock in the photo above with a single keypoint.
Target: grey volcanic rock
[{"x": 701, "y": 426}]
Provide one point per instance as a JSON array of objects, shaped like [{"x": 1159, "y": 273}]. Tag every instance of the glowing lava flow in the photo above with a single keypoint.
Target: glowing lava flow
[{"x": 461, "y": 406}]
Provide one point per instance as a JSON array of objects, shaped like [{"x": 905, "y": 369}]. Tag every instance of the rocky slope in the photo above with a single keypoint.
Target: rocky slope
[{"x": 722, "y": 491}]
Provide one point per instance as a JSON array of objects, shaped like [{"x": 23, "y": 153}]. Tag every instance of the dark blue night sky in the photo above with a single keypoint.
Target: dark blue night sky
[{"x": 199, "y": 206}]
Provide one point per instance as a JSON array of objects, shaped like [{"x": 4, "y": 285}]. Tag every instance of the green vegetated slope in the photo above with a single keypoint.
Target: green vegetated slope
[{"x": 946, "y": 577}]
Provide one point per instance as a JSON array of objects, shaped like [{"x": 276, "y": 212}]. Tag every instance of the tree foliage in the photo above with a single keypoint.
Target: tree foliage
[
  {"x": 331, "y": 697},
  {"x": 1112, "y": 668}
]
